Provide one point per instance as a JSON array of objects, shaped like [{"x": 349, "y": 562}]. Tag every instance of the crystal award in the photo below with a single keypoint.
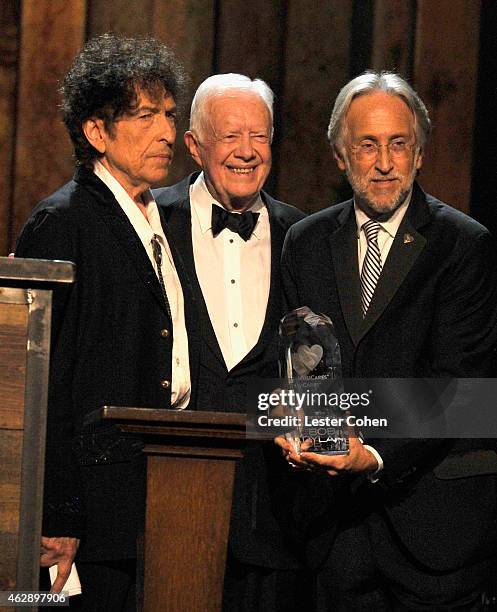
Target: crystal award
[{"x": 311, "y": 368}]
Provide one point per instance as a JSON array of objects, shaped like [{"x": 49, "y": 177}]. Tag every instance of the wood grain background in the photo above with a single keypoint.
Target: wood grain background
[{"x": 305, "y": 49}]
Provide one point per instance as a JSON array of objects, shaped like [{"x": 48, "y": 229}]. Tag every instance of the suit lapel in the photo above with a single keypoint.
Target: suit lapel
[
  {"x": 180, "y": 255},
  {"x": 179, "y": 222},
  {"x": 343, "y": 244},
  {"x": 175, "y": 193},
  {"x": 120, "y": 226},
  {"x": 405, "y": 249}
]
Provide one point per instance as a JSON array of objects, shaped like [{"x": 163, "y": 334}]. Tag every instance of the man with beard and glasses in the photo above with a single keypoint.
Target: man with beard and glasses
[{"x": 411, "y": 286}]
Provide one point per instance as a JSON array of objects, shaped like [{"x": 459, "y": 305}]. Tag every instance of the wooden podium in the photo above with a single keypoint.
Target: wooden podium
[
  {"x": 26, "y": 287},
  {"x": 191, "y": 460}
]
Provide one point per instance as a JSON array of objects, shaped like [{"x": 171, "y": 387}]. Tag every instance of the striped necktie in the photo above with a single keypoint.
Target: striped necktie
[{"x": 371, "y": 267}]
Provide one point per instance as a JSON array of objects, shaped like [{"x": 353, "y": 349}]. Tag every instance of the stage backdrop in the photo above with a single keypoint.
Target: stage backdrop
[{"x": 305, "y": 49}]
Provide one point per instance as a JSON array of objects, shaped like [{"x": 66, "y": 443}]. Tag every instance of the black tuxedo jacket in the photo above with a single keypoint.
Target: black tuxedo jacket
[
  {"x": 217, "y": 388},
  {"x": 107, "y": 349},
  {"x": 433, "y": 314},
  {"x": 255, "y": 536}
]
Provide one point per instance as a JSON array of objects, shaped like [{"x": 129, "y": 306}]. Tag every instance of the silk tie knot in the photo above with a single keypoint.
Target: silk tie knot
[
  {"x": 371, "y": 229},
  {"x": 241, "y": 223}
]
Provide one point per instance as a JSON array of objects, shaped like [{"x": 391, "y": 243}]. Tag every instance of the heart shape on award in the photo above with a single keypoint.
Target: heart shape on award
[{"x": 307, "y": 358}]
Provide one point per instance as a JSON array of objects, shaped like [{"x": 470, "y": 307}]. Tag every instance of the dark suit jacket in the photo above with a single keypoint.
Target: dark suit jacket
[
  {"x": 255, "y": 537},
  {"x": 107, "y": 349},
  {"x": 217, "y": 388},
  {"x": 433, "y": 314}
]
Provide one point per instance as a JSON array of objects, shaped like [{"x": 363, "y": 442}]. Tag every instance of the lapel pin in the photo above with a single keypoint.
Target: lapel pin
[{"x": 408, "y": 238}]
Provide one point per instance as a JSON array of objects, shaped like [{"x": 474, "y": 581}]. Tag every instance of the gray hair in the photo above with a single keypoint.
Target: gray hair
[
  {"x": 219, "y": 85},
  {"x": 370, "y": 82}
]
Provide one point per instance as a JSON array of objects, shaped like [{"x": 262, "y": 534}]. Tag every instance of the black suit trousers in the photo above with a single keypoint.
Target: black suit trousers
[{"x": 367, "y": 570}]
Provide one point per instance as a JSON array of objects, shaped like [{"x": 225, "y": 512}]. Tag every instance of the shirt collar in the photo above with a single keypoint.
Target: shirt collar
[
  {"x": 392, "y": 224},
  {"x": 145, "y": 229},
  {"x": 115, "y": 186},
  {"x": 201, "y": 202}
]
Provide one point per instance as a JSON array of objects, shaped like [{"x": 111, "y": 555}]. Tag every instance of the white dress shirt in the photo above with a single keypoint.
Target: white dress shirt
[
  {"x": 234, "y": 275},
  {"x": 386, "y": 235},
  {"x": 146, "y": 228}
]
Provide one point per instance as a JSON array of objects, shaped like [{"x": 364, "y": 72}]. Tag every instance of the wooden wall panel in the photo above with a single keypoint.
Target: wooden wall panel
[
  {"x": 51, "y": 35},
  {"x": 361, "y": 36},
  {"x": 317, "y": 62},
  {"x": 119, "y": 16},
  {"x": 303, "y": 49},
  {"x": 445, "y": 72},
  {"x": 393, "y": 36},
  {"x": 188, "y": 26},
  {"x": 9, "y": 33},
  {"x": 258, "y": 53},
  {"x": 484, "y": 176}
]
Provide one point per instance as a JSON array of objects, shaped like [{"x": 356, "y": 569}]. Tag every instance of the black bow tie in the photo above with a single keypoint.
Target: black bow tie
[{"x": 242, "y": 224}]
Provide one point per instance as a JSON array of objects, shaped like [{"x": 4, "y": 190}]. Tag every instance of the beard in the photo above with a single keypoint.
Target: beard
[{"x": 376, "y": 207}]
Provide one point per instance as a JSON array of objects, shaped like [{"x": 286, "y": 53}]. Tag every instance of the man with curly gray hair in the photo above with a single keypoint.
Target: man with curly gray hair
[{"x": 119, "y": 334}]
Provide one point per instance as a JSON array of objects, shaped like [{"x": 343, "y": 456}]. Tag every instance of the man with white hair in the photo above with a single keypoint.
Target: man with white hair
[
  {"x": 229, "y": 234},
  {"x": 411, "y": 286}
]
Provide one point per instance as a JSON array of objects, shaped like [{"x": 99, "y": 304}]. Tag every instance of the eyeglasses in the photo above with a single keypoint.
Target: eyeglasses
[{"x": 368, "y": 151}]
